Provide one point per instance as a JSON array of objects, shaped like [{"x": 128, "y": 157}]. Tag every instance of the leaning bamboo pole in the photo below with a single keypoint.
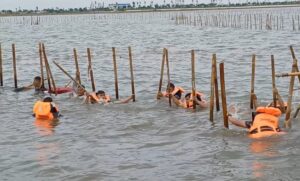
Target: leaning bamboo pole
[
  {"x": 131, "y": 74},
  {"x": 41, "y": 65},
  {"x": 49, "y": 71},
  {"x": 296, "y": 68},
  {"x": 287, "y": 122},
  {"x": 161, "y": 73},
  {"x": 91, "y": 69}
]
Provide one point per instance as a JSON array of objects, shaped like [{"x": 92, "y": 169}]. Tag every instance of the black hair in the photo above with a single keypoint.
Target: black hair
[
  {"x": 37, "y": 78},
  {"x": 171, "y": 85},
  {"x": 187, "y": 95},
  {"x": 100, "y": 92},
  {"x": 47, "y": 99}
]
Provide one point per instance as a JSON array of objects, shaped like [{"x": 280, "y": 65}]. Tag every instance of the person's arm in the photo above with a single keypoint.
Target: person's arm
[
  {"x": 87, "y": 98},
  {"x": 236, "y": 121},
  {"x": 124, "y": 101},
  {"x": 203, "y": 103},
  {"x": 177, "y": 101},
  {"x": 25, "y": 88}
]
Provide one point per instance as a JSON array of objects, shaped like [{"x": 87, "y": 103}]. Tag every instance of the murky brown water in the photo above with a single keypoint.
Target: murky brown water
[{"x": 145, "y": 140}]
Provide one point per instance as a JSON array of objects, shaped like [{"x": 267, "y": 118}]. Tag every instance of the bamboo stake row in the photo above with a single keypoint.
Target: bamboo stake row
[{"x": 241, "y": 20}]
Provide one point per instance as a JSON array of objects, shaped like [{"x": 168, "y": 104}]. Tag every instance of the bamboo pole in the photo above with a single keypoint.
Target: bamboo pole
[
  {"x": 161, "y": 73},
  {"x": 1, "y": 69},
  {"x": 288, "y": 74},
  {"x": 193, "y": 79},
  {"x": 115, "y": 72},
  {"x": 90, "y": 69},
  {"x": 295, "y": 59},
  {"x": 77, "y": 66},
  {"x": 252, "y": 81},
  {"x": 131, "y": 74},
  {"x": 254, "y": 99},
  {"x": 287, "y": 122},
  {"x": 41, "y": 65},
  {"x": 14, "y": 65},
  {"x": 49, "y": 70},
  {"x": 273, "y": 81},
  {"x": 216, "y": 82},
  {"x": 223, "y": 94},
  {"x": 65, "y": 72},
  {"x": 168, "y": 74},
  {"x": 212, "y": 94},
  {"x": 280, "y": 100}
]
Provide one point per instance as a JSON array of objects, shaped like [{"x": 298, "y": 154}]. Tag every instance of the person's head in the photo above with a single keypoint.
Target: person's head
[
  {"x": 47, "y": 99},
  {"x": 100, "y": 94},
  {"x": 170, "y": 87},
  {"x": 37, "y": 81},
  {"x": 187, "y": 96}
]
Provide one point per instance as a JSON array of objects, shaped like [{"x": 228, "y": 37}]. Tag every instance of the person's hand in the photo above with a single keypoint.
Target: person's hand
[{"x": 159, "y": 95}]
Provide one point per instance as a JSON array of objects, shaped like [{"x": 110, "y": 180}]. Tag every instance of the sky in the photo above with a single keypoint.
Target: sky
[{"x": 43, "y": 4}]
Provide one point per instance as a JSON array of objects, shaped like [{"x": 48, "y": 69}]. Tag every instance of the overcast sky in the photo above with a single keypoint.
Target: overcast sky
[{"x": 42, "y": 4}]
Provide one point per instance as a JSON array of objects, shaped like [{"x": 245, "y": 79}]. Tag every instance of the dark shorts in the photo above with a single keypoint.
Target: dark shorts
[{"x": 178, "y": 95}]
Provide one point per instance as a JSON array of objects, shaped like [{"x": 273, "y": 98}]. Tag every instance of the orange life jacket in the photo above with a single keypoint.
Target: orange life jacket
[
  {"x": 266, "y": 123},
  {"x": 176, "y": 89},
  {"x": 42, "y": 110}
]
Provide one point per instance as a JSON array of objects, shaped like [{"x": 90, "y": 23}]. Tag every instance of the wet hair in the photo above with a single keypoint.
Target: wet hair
[
  {"x": 47, "y": 99},
  {"x": 189, "y": 95},
  {"x": 37, "y": 78},
  {"x": 171, "y": 85},
  {"x": 100, "y": 92}
]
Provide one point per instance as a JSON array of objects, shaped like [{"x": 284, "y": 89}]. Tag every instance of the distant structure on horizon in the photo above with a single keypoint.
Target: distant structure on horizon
[{"x": 118, "y": 6}]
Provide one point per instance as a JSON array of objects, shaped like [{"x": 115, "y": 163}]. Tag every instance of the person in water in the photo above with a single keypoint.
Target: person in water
[
  {"x": 172, "y": 90},
  {"x": 78, "y": 91},
  {"x": 45, "y": 109},
  {"x": 36, "y": 85},
  {"x": 188, "y": 100},
  {"x": 265, "y": 122},
  {"x": 101, "y": 98}
]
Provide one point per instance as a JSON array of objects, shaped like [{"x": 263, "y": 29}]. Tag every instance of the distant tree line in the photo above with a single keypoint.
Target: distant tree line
[{"x": 94, "y": 7}]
